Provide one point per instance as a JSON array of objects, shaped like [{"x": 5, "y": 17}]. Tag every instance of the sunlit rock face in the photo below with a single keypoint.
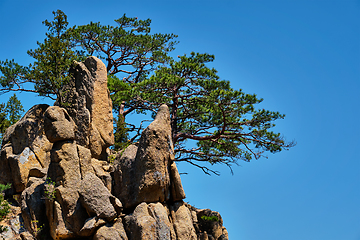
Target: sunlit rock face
[{"x": 87, "y": 100}]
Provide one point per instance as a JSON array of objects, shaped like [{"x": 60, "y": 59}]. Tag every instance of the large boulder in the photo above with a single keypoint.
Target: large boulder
[
  {"x": 183, "y": 221},
  {"x": 65, "y": 164},
  {"x": 25, "y": 146},
  {"x": 113, "y": 231},
  {"x": 78, "y": 202},
  {"x": 123, "y": 175},
  {"x": 177, "y": 191},
  {"x": 97, "y": 199},
  {"x": 211, "y": 223},
  {"x": 147, "y": 176},
  {"x": 85, "y": 161},
  {"x": 87, "y": 100},
  {"x": 65, "y": 214},
  {"x": 58, "y": 124},
  {"x": 103, "y": 170},
  {"x": 149, "y": 221},
  {"x": 32, "y": 208}
]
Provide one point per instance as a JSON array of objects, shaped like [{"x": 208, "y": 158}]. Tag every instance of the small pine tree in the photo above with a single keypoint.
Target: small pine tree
[{"x": 10, "y": 113}]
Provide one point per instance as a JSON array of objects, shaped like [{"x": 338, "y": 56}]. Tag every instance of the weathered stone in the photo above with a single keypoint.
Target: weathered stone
[
  {"x": 29, "y": 128},
  {"x": 182, "y": 222},
  {"x": 149, "y": 221},
  {"x": 150, "y": 175},
  {"x": 20, "y": 166},
  {"x": 85, "y": 160},
  {"x": 25, "y": 146},
  {"x": 119, "y": 226},
  {"x": 114, "y": 231},
  {"x": 124, "y": 174},
  {"x": 27, "y": 236},
  {"x": 79, "y": 193},
  {"x": 64, "y": 175},
  {"x": 65, "y": 164},
  {"x": 88, "y": 102},
  {"x": 75, "y": 214},
  {"x": 16, "y": 224},
  {"x": 95, "y": 197},
  {"x": 103, "y": 171},
  {"x": 37, "y": 172},
  {"x": 164, "y": 228},
  {"x": 147, "y": 173},
  {"x": 211, "y": 222},
  {"x": 56, "y": 158},
  {"x": 203, "y": 236},
  {"x": 28, "y": 132},
  {"x": 58, "y": 229},
  {"x": 194, "y": 216},
  {"x": 13, "y": 224},
  {"x": 225, "y": 235},
  {"x": 5, "y": 171},
  {"x": 32, "y": 207},
  {"x": 140, "y": 224},
  {"x": 58, "y": 124},
  {"x": 177, "y": 191},
  {"x": 90, "y": 226},
  {"x": 8, "y": 234}
]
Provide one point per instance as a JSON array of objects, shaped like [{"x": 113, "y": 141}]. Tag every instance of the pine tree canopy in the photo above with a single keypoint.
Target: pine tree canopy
[{"x": 211, "y": 122}]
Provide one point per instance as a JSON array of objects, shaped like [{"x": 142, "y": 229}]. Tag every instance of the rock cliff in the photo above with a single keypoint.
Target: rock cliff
[{"x": 64, "y": 187}]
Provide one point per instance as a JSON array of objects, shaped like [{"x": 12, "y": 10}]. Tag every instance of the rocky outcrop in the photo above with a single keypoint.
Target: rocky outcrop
[
  {"x": 147, "y": 173},
  {"x": 58, "y": 125},
  {"x": 25, "y": 146},
  {"x": 55, "y": 157},
  {"x": 150, "y": 221},
  {"x": 86, "y": 98}
]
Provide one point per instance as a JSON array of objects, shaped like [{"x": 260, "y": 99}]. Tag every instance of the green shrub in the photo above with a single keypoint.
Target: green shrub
[
  {"x": 210, "y": 218},
  {"x": 4, "y": 205},
  {"x": 49, "y": 189}
]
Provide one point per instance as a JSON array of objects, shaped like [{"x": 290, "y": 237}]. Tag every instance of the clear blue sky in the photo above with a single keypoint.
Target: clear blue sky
[{"x": 301, "y": 56}]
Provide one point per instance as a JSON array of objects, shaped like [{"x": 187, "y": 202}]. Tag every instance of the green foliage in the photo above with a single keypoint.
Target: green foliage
[
  {"x": 111, "y": 158},
  {"x": 222, "y": 121},
  {"x": 52, "y": 60},
  {"x": 10, "y": 113},
  {"x": 225, "y": 123},
  {"x": 14, "y": 109},
  {"x": 128, "y": 48},
  {"x": 131, "y": 52},
  {"x": 4, "y": 205},
  {"x": 4, "y": 122},
  {"x": 36, "y": 227},
  {"x": 12, "y": 73},
  {"x": 53, "y": 57},
  {"x": 49, "y": 190},
  {"x": 120, "y": 133},
  {"x": 210, "y": 218}
]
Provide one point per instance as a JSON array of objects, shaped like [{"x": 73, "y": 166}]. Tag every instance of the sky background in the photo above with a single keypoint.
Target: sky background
[{"x": 301, "y": 56}]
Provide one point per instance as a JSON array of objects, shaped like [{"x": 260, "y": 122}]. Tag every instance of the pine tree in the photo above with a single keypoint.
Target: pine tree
[
  {"x": 52, "y": 61},
  {"x": 10, "y": 113},
  {"x": 225, "y": 123}
]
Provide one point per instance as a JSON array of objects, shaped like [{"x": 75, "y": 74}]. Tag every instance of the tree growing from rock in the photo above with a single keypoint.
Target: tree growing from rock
[
  {"x": 222, "y": 121},
  {"x": 225, "y": 123}
]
